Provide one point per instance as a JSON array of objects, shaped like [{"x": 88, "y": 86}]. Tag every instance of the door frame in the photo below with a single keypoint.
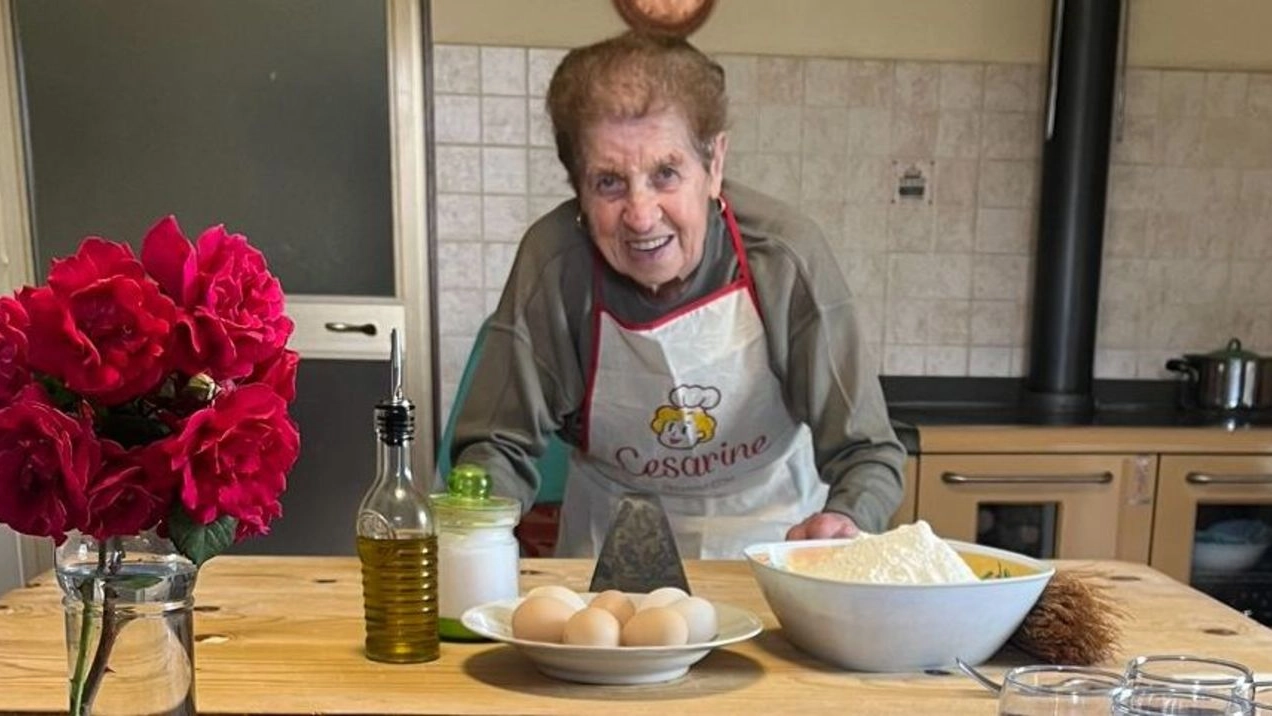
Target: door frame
[{"x": 409, "y": 311}]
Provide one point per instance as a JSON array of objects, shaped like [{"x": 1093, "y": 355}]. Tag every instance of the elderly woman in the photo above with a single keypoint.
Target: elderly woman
[{"x": 686, "y": 336}]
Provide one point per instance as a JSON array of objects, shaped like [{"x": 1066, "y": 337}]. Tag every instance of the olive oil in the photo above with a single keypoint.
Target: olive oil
[
  {"x": 397, "y": 539},
  {"x": 401, "y": 608}
]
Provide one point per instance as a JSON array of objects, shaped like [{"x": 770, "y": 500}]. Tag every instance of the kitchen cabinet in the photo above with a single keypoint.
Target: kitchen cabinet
[
  {"x": 1196, "y": 493},
  {"x": 905, "y": 514},
  {"x": 1050, "y": 506}
]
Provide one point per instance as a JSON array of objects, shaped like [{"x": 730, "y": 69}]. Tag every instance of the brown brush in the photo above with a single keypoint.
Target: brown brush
[{"x": 1075, "y": 621}]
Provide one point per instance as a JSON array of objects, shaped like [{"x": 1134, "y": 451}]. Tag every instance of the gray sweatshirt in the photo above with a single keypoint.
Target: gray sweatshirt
[{"x": 531, "y": 378}]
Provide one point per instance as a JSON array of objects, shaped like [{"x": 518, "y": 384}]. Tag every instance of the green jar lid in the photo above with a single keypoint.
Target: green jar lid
[{"x": 467, "y": 501}]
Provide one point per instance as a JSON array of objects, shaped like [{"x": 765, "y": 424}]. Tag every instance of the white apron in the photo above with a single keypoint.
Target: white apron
[{"x": 687, "y": 408}]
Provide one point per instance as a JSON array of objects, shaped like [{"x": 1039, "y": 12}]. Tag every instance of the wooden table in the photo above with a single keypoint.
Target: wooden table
[{"x": 283, "y": 635}]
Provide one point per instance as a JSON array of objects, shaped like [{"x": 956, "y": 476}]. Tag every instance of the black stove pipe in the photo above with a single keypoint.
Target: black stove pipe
[{"x": 1075, "y": 163}]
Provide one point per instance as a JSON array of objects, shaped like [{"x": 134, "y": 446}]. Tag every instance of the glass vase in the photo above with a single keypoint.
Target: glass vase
[{"x": 128, "y": 604}]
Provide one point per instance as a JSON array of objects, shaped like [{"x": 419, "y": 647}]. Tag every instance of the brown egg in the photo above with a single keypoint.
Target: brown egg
[
  {"x": 661, "y": 597},
  {"x": 656, "y": 626},
  {"x": 541, "y": 619},
  {"x": 592, "y": 626},
  {"x": 616, "y": 603},
  {"x": 700, "y": 616}
]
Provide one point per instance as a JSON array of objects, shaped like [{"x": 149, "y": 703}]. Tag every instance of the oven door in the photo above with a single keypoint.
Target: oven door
[
  {"x": 1045, "y": 506},
  {"x": 1213, "y": 527}
]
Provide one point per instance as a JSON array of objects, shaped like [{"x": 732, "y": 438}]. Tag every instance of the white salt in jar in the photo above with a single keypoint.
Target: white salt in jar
[{"x": 477, "y": 553}]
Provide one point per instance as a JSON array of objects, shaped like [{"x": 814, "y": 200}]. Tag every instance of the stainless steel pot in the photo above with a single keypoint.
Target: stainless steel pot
[
  {"x": 1263, "y": 392},
  {"x": 1226, "y": 379}
]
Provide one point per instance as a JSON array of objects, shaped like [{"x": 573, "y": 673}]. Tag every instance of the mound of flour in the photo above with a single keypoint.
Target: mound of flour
[{"x": 909, "y": 554}]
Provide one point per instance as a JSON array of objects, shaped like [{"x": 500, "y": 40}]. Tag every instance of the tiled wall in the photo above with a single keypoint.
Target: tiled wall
[{"x": 943, "y": 277}]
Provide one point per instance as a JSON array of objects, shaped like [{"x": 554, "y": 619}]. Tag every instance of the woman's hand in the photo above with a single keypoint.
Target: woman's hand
[{"x": 824, "y": 525}]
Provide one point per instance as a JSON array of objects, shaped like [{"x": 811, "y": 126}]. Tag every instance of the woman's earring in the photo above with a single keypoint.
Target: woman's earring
[
  {"x": 580, "y": 221},
  {"x": 720, "y": 204}
]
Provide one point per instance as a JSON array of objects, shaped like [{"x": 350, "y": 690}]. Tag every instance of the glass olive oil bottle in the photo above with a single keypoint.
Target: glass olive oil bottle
[{"x": 397, "y": 540}]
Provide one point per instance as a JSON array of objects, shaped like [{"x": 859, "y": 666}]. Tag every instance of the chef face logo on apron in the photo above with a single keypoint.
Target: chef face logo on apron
[{"x": 685, "y": 422}]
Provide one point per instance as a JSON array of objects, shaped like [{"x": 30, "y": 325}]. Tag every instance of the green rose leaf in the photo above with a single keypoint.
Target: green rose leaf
[{"x": 200, "y": 542}]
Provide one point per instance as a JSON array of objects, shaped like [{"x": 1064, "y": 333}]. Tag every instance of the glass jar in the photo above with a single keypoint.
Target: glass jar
[
  {"x": 128, "y": 604},
  {"x": 477, "y": 554}
]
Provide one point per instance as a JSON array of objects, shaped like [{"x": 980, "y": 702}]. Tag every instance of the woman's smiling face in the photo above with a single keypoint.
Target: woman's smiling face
[{"x": 645, "y": 194}]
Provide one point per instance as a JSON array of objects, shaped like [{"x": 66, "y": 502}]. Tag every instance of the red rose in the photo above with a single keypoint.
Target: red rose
[
  {"x": 46, "y": 458},
  {"x": 233, "y": 306},
  {"x": 14, "y": 372},
  {"x": 232, "y": 458},
  {"x": 279, "y": 374},
  {"x": 101, "y": 326},
  {"x": 124, "y": 497}
]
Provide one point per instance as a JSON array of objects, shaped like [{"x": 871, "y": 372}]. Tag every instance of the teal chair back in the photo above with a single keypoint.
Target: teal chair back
[{"x": 551, "y": 466}]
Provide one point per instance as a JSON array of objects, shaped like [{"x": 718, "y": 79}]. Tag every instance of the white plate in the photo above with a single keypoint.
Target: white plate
[{"x": 610, "y": 664}]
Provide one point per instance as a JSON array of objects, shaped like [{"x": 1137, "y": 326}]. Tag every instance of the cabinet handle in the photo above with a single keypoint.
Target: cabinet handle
[
  {"x": 1201, "y": 478},
  {"x": 341, "y": 327},
  {"x": 1095, "y": 478}
]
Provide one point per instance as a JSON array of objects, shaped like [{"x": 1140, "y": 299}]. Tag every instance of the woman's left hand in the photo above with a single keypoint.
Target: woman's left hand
[{"x": 824, "y": 525}]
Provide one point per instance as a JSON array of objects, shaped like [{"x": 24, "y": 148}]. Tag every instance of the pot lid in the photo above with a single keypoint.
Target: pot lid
[{"x": 1233, "y": 351}]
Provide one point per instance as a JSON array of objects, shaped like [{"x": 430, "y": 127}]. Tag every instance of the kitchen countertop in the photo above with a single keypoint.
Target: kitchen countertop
[{"x": 283, "y": 635}]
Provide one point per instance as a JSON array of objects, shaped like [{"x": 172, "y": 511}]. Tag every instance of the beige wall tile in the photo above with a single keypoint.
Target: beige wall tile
[
  {"x": 914, "y": 135},
  {"x": 951, "y": 323},
  {"x": 503, "y": 217},
  {"x": 1115, "y": 364},
  {"x": 1001, "y": 277},
  {"x": 994, "y": 323},
  {"x": 989, "y": 362},
  {"x": 910, "y": 228},
  {"x": 456, "y": 69},
  {"x": 962, "y": 86},
  {"x": 825, "y": 131},
  {"x": 779, "y": 80},
  {"x": 868, "y": 180},
  {"x": 1241, "y": 143},
  {"x": 457, "y": 119},
  {"x": 1125, "y": 233},
  {"x": 744, "y": 128},
  {"x": 547, "y": 176},
  {"x": 945, "y": 360},
  {"x": 458, "y": 216},
  {"x": 740, "y": 73},
  {"x": 503, "y": 71},
  {"x": 821, "y": 178},
  {"x": 955, "y": 229},
  {"x": 1225, "y": 94},
  {"x": 1117, "y": 325},
  {"x": 1008, "y": 184},
  {"x": 1182, "y": 94},
  {"x": 540, "y": 64},
  {"x": 460, "y": 312},
  {"x": 956, "y": 182},
  {"x": 1010, "y": 135},
  {"x": 870, "y": 84},
  {"x": 958, "y": 134},
  {"x": 503, "y": 170},
  {"x": 1138, "y": 141},
  {"x": 826, "y": 83},
  {"x": 916, "y": 87},
  {"x": 780, "y": 127},
  {"x": 497, "y": 262},
  {"x": 1143, "y": 90},
  {"x": 1259, "y": 96},
  {"x": 1012, "y": 88},
  {"x": 458, "y": 168},
  {"x": 908, "y": 321},
  {"x": 503, "y": 120},
  {"x": 866, "y": 226},
  {"x": 869, "y": 132},
  {"x": 458, "y": 264},
  {"x": 539, "y": 128},
  {"x": 1003, "y": 231},
  {"x": 1179, "y": 141},
  {"x": 902, "y": 359}
]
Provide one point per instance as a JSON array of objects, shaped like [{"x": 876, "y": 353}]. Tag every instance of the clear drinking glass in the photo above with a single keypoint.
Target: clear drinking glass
[
  {"x": 1193, "y": 673},
  {"x": 1144, "y": 700},
  {"x": 1057, "y": 691}
]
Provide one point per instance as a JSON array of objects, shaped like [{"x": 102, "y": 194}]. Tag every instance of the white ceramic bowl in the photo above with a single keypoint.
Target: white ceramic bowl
[
  {"x": 610, "y": 665},
  {"x": 1220, "y": 557},
  {"x": 897, "y": 627}
]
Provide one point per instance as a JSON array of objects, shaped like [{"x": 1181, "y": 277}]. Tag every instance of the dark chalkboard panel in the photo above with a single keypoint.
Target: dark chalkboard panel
[{"x": 269, "y": 116}]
